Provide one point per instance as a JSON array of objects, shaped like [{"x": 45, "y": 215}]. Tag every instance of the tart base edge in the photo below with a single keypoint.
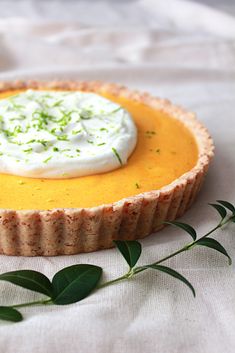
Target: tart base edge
[{"x": 73, "y": 231}]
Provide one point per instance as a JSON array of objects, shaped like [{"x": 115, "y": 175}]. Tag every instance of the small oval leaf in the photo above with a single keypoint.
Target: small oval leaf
[
  {"x": 130, "y": 250},
  {"x": 228, "y": 205},
  {"x": 174, "y": 274},
  {"x": 214, "y": 244},
  {"x": 75, "y": 283},
  {"x": 29, "y": 279},
  {"x": 220, "y": 209},
  {"x": 189, "y": 229},
  {"x": 10, "y": 314}
]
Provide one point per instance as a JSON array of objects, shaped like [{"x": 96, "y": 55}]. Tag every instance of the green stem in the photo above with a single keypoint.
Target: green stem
[
  {"x": 139, "y": 269},
  {"x": 185, "y": 248},
  {"x": 212, "y": 231},
  {"x": 39, "y": 302},
  {"x": 173, "y": 254},
  {"x": 128, "y": 275},
  {"x": 106, "y": 284}
]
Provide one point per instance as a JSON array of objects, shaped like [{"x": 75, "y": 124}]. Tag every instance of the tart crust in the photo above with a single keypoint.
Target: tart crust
[{"x": 72, "y": 231}]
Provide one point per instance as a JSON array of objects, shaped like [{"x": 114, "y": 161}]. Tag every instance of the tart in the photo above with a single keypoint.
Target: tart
[{"x": 163, "y": 175}]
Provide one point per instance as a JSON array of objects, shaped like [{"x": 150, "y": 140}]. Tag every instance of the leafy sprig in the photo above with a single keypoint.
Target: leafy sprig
[{"x": 74, "y": 283}]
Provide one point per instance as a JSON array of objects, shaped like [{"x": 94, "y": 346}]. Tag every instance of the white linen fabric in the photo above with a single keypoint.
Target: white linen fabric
[{"x": 192, "y": 63}]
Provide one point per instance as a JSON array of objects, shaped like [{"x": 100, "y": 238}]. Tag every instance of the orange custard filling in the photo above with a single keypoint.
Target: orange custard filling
[{"x": 165, "y": 150}]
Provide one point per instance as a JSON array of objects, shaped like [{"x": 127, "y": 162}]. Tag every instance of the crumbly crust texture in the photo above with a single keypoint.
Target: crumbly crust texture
[{"x": 73, "y": 231}]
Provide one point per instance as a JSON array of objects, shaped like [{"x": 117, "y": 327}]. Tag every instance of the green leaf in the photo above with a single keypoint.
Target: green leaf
[
  {"x": 10, "y": 314},
  {"x": 75, "y": 283},
  {"x": 28, "y": 279},
  {"x": 214, "y": 244},
  {"x": 220, "y": 209},
  {"x": 190, "y": 230},
  {"x": 174, "y": 274},
  {"x": 228, "y": 205},
  {"x": 130, "y": 250}
]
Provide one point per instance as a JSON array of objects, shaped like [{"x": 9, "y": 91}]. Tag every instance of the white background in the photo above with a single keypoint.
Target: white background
[{"x": 173, "y": 49}]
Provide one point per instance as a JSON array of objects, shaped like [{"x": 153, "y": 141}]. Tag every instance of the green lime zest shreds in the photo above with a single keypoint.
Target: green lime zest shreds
[
  {"x": 117, "y": 155},
  {"x": 47, "y": 159}
]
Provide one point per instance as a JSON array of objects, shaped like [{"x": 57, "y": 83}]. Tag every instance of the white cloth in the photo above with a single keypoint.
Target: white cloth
[{"x": 192, "y": 63}]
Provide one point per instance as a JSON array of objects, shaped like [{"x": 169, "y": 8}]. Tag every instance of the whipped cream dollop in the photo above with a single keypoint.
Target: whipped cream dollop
[{"x": 45, "y": 134}]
